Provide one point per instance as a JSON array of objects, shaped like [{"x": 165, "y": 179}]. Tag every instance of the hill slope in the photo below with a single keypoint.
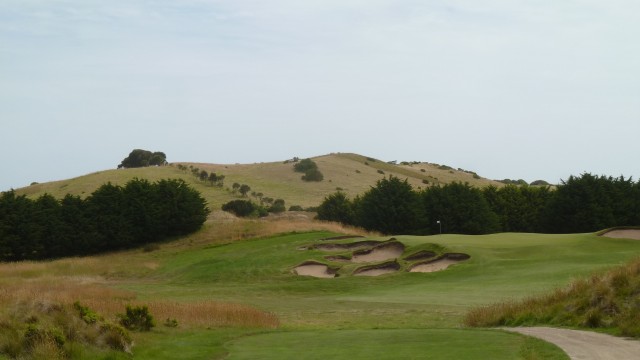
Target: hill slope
[{"x": 354, "y": 174}]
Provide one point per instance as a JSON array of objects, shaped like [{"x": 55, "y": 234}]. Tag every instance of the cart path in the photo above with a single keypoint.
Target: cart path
[{"x": 585, "y": 345}]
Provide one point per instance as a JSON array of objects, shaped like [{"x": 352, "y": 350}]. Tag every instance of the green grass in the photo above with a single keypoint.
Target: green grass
[
  {"x": 257, "y": 272},
  {"x": 391, "y": 344}
]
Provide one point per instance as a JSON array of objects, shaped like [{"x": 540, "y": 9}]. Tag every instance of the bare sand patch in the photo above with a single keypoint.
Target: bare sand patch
[
  {"x": 367, "y": 244},
  {"x": 314, "y": 269},
  {"x": 421, "y": 255},
  {"x": 382, "y": 252},
  {"x": 378, "y": 269},
  {"x": 439, "y": 264},
  {"x": 623, "y": 234},
  {"x": 338, "y": 258}
]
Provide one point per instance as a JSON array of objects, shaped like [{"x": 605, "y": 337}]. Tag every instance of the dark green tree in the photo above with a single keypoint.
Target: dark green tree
[
  {"x": 278, "y": 206},
  {"x": 589, "y": 202},
  {"x": 305, "y": 165},
  {"x": 244, "y": 189},
  {"x": 313, "y": 175},
  {"x": 241, "y": 208},
  {"x": 519, "y": 208},
  {"x": 337, "y": 207},
  {"x": 141, "y": 158},
  {"x": 391, "y": 207},
  {"x": 460, "y": 209}
]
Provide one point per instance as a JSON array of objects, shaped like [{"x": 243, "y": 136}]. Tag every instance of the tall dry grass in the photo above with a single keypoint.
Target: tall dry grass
[
  {"x": 109, "y": 302},
  {"x": 609, "y": 300}
]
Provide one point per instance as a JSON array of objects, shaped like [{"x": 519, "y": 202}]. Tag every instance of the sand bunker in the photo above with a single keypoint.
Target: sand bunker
[
  {"x": 315, "y": 269},
  {"x": 343, "y": 237},
  {"x": 421, "y": 255},
  {"x": 440, "y": 263},
  {"x": 338, "y": 258},
  {"x": 367, "y": 244},
  {"x": 378, "y": 269},
  {"x": 382, "y": 252},
  {"x": 623, "y": 234}
]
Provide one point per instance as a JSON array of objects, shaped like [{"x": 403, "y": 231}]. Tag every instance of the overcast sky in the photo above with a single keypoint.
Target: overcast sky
[{"x": 510, "y": 89}]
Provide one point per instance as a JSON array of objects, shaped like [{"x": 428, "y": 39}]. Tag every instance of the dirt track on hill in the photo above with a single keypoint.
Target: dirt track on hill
[{"x": 585, "y": 345}]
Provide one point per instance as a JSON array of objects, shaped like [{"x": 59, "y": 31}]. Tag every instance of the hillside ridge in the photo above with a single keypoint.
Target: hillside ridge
[{"x": 351, "y": 173}]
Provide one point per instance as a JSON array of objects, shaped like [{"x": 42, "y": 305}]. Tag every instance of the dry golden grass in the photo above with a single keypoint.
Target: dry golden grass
[
  {"x": 274, "y": 179},
  {"x": 109, "y": 302},
  {"x": 93, "y": 280}
]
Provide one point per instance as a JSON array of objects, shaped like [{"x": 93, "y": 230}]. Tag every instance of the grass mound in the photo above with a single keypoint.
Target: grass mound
[{"x": 609, "y": 301}]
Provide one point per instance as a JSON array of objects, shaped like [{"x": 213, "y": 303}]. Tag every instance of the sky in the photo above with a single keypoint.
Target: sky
[{"x": 527, "y": 90}]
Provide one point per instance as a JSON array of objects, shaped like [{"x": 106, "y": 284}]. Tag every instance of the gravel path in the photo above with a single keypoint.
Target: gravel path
[{"x": 585, "y": 345}]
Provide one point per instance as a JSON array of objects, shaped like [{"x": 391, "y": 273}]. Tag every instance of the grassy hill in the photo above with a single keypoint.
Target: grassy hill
[{"x": 353, "y": 174}]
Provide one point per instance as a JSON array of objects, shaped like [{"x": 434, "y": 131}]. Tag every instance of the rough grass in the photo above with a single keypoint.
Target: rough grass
[{"x": 609, "y": 301}]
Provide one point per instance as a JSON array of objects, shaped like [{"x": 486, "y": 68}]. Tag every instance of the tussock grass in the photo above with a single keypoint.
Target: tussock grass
[
  {"x": 109, "y": 302},
  {"x": 609, "y": 301}
]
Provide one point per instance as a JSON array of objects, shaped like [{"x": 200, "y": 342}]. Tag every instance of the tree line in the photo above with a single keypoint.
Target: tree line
[
  {"x": 111, "y": 218},
  {"x": 583, "y": 203}
]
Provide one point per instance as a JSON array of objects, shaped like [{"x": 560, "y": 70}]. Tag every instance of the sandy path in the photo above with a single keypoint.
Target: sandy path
[{"x": 585, "y": 345}]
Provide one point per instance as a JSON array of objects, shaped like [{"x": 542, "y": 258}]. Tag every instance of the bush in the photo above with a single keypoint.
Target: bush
[
  {"x": 87, "y": 315},
  {"x": 241, "y": 208},
  {"x": 278, "y": 206},
  {"x": 305, "y": 165},
  {"x": 137, "y": 318},
  {"x": 313, "y": 175},
  {"x": 116, "y": 337},
  {"x": 296, "y": 208},
  {"x": 380, "y": 172},
  {"x": 171, "y": 323}
]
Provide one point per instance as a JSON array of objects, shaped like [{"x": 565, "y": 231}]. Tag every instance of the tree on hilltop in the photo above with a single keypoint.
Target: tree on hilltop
[{"x": 142, "y": 158}]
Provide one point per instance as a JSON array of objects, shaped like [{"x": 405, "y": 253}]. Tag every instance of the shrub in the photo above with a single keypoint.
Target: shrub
[
  {"x": 137, "y": 318},
  {"x": 116, "y": 337},
  {"x": 296, "y": 208},
  {"x": 171, "y": 323},
  {"x": 380, "y": 172},
  {"x": 87, "y": 315},
  {"x": 241, "y": 208},
  {"x": 313, "y": 175},
  {"x": 278, "y": 206},
  {"x": 305, "y": 165}
]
